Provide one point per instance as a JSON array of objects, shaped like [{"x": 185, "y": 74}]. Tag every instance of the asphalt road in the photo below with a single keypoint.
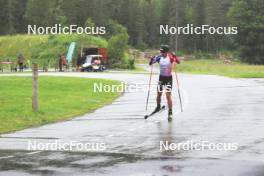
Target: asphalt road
[{"x": 217, "y": 110}]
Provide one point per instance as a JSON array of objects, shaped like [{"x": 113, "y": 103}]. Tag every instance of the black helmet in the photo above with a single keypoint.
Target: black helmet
[{"x": 164, "y": 48}]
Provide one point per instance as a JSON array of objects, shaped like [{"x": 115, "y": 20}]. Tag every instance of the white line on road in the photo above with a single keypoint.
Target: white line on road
[
  {"x": 5, "y": 157},
  {"x": 32, "y": 153}
]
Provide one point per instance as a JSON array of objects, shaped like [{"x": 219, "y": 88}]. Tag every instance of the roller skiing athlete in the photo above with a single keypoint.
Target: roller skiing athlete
[{"x": 166, "y": 59}]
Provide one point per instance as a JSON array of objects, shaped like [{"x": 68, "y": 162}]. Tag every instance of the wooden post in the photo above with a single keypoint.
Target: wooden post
[{"x": 35, "y": 87}]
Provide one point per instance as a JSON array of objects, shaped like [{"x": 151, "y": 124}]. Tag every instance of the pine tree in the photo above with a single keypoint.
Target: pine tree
[
  {"x": 248, "y": 16},
  {"x": 151, "y": 15},
  {"x": 4, "y": 20},
  {"x": 199, "y": 20},
  {"x": 39, "y": 12}
]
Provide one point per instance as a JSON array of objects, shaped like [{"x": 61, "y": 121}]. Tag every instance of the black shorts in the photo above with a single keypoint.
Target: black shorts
[{"x": 165, "y": 82}]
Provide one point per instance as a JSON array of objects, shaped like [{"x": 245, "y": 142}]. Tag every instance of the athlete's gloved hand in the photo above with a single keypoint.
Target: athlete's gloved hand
[
  {"x": 176, "y": 59},
  {"x": 151, "y": 60}
]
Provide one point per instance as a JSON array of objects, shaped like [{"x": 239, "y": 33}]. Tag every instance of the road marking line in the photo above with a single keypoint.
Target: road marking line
[
  {"x": 5, "y": 157},
  {"x": 32, "y": 153}
]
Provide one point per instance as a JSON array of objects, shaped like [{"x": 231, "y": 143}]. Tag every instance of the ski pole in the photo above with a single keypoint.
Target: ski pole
[
  {"x": 178, "y": 87},
  {"x": 151, "y": 70}
]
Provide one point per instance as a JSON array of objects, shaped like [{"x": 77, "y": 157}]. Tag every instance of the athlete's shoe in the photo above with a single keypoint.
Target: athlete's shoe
[{"x": 170, "y": 116}]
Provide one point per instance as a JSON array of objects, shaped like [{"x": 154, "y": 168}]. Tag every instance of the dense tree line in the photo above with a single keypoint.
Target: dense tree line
[{"x": 142, "y": 19}]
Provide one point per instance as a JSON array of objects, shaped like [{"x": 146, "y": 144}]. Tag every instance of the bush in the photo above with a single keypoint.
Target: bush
[
  {"x": 117, "y": 47},
  {"x": 45, "y": 49},
  {"x": 127, "y": 62},
  {"x": 42, "y": 49},
  {"x": 114, "y": 28}
]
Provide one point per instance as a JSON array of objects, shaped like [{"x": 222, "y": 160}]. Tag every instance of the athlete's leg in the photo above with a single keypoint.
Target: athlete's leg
[
  {"x": 168, "y": 93},
  {"x": 158, "y": 99},
  {"x": 159, "y": 91},
  {"x": 169, "y": 99}
]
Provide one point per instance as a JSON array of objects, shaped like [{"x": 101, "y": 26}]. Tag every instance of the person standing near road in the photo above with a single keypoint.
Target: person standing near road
[
  {"x": 166, "y": 60},
  {"x": 79, "y": 62},
  {"x": 62, "y": 62},
  {"x": 20, "y": 62}
]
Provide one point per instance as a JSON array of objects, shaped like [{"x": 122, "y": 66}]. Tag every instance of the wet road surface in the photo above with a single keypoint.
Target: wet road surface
[{"x": 217, "y": 109}]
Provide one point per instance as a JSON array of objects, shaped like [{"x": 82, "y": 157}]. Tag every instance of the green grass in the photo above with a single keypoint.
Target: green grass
[
  {"x": 217, "y": 67},
  {"x": 142, "y": 61},
  {"x": 136, "y": 70},
  {"x": 60, "y": 98}
]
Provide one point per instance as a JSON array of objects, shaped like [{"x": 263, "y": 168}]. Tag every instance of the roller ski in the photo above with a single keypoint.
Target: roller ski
[{"x": 158, "y": 109}]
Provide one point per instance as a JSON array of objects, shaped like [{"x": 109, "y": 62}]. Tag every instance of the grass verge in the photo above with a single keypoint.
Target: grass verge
[
  {"x": 60, "y": 98},
  {"x": 217, "y": 67}
]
